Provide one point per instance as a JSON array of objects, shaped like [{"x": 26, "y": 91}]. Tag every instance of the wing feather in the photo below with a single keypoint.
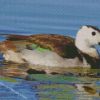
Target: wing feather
[{"x": 63, "y": 45}]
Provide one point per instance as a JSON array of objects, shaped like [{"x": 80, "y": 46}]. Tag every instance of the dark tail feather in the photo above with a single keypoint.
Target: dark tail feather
[{"x": 15, "y": 37}]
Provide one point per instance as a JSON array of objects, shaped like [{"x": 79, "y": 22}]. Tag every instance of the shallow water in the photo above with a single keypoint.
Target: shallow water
[
  {"x": 46, "y": 16},
  {"x": 44, "y": 87}
]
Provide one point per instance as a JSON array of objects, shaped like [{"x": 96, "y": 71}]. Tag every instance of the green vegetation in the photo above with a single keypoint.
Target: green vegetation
[{"x": 7, "y": 79}]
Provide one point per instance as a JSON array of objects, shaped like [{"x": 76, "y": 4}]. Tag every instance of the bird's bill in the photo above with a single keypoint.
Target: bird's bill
[{"x": 97, "y": 47}]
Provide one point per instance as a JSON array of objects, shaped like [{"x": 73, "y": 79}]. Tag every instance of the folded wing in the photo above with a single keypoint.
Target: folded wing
[{"x": 62, "y": 45}]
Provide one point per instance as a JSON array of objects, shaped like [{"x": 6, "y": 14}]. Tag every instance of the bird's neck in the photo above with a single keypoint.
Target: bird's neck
[{"x": 83, "y": 45}]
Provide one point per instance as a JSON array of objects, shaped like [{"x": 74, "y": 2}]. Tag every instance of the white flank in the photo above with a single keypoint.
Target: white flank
[
  {"x": 10, "y": 55},
  {"x": 49, "y": 58}
]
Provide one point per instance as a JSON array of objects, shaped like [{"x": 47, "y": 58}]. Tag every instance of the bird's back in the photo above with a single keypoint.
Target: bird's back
[{"x": 62, "y": 45}]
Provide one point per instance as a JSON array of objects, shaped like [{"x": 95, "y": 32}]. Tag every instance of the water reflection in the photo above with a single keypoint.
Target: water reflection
[{"x": 69, "y": 86}]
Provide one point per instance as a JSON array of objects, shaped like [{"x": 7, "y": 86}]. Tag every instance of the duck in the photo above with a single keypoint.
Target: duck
[{"x": 54, "y": 50}]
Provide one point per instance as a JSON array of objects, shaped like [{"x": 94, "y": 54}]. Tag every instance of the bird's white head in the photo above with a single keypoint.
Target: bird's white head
[{"x": 87, "y": 37}]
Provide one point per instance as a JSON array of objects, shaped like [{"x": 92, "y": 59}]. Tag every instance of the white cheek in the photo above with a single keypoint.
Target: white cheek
[{"x": 93, "y": 40}]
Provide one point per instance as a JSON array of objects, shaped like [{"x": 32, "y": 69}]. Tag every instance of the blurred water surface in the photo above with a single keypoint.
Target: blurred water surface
[{"x": 47, "y": 16}]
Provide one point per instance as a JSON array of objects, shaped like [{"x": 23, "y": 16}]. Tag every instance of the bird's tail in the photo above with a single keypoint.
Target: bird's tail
[{"x": 15, "y": 36}]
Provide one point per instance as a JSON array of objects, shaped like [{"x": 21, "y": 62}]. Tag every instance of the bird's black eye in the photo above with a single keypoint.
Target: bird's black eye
[{"x": 93, "y": 33}]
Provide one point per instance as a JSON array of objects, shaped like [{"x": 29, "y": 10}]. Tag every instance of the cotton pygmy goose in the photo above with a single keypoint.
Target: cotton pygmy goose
[{"x": 54, "y": 50}]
